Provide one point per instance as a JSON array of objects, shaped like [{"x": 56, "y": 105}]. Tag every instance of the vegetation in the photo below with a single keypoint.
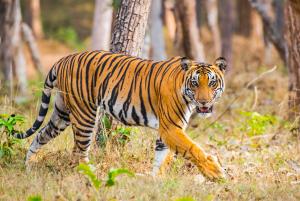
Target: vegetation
[{"x": 8, "y": 144}]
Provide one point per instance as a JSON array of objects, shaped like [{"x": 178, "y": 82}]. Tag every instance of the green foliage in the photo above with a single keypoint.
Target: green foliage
[
  {"x": 7, "y": 141},
  {"x": 106, "y": 122},
  {"x": 218, "y": 142},
  {"x": 89, "y": 172},
  {"x": 120, "y": 135},
  {"x": 113, "y": 173},
  {"x": 218, "y": 126},
  {"x": 102, "y": 136},
  {"x": 34, "y": 198},
  {"x": 116, "y": 4},
  {"x": 185, "y": 199},
  {"x": 209, "y": 197},
  {"x": 68, "y": 36},
  {"x": 254, "y": 123}
]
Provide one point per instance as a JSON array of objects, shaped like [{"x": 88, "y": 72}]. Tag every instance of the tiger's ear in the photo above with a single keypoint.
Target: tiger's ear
[
  {"x": 221, "y": 63},
  {"x": 185, "y": 63}
]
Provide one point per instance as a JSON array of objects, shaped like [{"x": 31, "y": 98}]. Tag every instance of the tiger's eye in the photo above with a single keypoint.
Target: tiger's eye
[{"x": 194, "y": 83}]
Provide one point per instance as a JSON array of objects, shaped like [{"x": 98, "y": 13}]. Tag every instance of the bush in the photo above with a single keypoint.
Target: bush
[
  {"x": 7, "y": 141},
  {"x": 68, "y": 36},
  {"x": 254, "y": 123}
]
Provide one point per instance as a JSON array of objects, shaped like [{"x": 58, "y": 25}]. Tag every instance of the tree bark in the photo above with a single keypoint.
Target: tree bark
[
  {"x": 33, "y": 17},
  {"x": 226, "y": 27},
  {"x": 102, "y": 25},
  {"x": 292, "y": 37},
  {"x": 279, "y": 16},
  {"x": 127, "y": 38},
  {"x": 244, "y": 24},
  {"x": 192, "y": 45},
  {"x": 272, "y": 32},
  {"x": 156, "y": 31},
  {"x": 212, "y": 18},
  {"x": 19, "y": 62},
  {"x": 7, "y": 16},
  {"x": 130, "y": 27},
  {"x": 169, "y": 19}
]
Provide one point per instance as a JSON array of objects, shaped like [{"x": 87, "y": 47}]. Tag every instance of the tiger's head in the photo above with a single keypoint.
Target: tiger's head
[{"x": 203, "y": 84}]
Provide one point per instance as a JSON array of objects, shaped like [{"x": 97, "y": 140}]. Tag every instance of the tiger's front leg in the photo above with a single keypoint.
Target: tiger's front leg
[
  {"x": 162, "y": 158},
  {"x": 181, "y": 144}
]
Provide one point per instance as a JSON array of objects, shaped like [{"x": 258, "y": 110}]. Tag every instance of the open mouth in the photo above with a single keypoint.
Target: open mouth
[{"x": 204, "y": 109}]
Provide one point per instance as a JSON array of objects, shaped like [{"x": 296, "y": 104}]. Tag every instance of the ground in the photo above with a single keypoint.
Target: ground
[{"x": 249, "y": 132}]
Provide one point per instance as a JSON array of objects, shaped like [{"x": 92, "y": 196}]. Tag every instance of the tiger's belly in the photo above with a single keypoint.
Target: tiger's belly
[{"x": 131, "y": 115}]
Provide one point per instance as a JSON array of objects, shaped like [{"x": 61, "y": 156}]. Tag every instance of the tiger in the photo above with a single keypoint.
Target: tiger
[{"x": 161, "y": 95}]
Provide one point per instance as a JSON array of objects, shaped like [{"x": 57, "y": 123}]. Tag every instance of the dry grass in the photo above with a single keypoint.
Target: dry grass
[{"x": 262, "y": 167}]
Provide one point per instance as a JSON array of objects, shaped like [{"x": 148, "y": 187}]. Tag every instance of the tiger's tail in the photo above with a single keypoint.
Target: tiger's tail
[{"x": 48, "y": 86}]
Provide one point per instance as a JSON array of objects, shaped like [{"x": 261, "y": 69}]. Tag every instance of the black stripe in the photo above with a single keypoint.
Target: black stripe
[{"x": 135, "y": 117}]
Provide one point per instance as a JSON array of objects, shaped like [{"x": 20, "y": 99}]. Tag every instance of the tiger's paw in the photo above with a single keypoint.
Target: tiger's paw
[
  {"x": 30, "y": 162},
  {"x": 212, "y": 169}
]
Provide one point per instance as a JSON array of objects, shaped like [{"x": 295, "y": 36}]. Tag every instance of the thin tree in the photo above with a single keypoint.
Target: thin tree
[
  {"x": 102, "y": 25},
  {"x": 130, "y": 27},
  {"x": 226, "y": 29},
  {"x": 7, "y": 13},
  {"x": 212, "y": 18},
  {"x": 243, "y": 18},
  {"x": 292, "y": 37},
  {"x": 192, "y": 45},
  {"x": 33, "y": 13},
  {"x": 156, "y": 31},
  {"x": 12, "y": 34},
  {"x": 127, "y": 37}
]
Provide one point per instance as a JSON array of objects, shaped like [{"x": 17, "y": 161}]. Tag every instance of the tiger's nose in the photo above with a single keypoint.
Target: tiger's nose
[{"x": 202, "y": 102}]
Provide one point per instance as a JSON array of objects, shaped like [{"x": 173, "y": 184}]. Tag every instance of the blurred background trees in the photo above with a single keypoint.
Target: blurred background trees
[{"x": 199, "y": 29}]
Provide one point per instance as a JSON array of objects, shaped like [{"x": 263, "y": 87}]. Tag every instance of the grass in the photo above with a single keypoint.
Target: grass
[
  {"x": 258, "y": 165},
  {"x": 262, "y": 158}
]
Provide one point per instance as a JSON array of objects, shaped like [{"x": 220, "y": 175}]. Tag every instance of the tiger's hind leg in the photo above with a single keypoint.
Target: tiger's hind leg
[
  {"x": 82, "y": 140},
  {"x": 59, "y": 122}
]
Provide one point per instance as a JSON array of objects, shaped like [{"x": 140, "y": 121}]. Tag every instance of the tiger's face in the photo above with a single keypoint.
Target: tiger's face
[{"x": 203, "y": 84}]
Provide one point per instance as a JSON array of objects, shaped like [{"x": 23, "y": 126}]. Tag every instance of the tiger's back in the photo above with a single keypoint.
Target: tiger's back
[{"x": 125, "y": 87}]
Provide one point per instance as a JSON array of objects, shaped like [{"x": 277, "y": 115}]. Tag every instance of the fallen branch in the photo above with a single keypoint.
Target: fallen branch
[{"x": 33, "y": 48}]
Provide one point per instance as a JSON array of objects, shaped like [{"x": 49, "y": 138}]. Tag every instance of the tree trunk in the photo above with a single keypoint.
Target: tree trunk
[
  {"x": 271, "y": 30},
  {"x": 226, "y": 26},
  {"x": 33, "y": 17},
  {"x": 192, "y": 45},
  {"x": 19, "y": 62},
  {"x": 244, "y": 24},
  {"x": 102, "y": 25},
  {"x": 292, "y": 37},
  {"x": 170, "y": 20},
  {"x": 7, "y": 16},
  {"x": 279, "y": 16},
  {"x": 130, "y": 27},
  {"x": 156, "y": 31},
  {"x": 212, "y": 17},
  {"x": 127, "y": 38}
]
